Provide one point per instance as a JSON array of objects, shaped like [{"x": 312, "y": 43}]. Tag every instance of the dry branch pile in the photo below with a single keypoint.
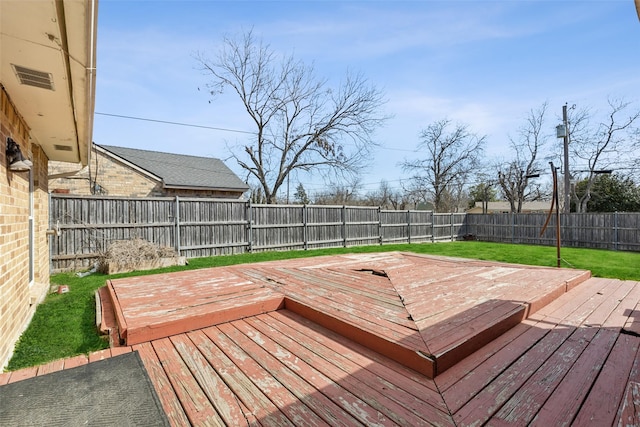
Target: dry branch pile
[{"x": 132, "y": 254}]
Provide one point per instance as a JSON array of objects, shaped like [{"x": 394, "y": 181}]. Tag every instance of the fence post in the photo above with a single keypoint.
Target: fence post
[
  {"x": 433, "y": 227},
  {"x": 380, "y": 225},
  {"x": 513, "y": 226},
  {"x": 615, "y": 231},
  {"x": 344, "y": 226},
  {"x": 177, "y": 227},
  {"x": 249, "y": 217},
  {"x": 304, "y": 227},
  {"x": 451, "y": 223},
  {"x": 409, "y": 226},
  {"x": 50, "y": 239}
]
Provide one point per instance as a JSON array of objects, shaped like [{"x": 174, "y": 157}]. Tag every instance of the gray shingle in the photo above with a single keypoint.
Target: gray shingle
[{"x": 179, "y": 170}]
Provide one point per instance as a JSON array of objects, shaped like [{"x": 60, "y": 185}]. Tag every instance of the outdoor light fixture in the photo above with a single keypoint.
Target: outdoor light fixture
[{"x": 16, "y": 161}]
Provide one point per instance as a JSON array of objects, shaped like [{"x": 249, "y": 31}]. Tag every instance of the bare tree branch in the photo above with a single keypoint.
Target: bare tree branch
[
  {"x": 450, "y": 156},
  {"x": 601, "y": 147},
  {"x": 513, "y": 175},
  {"x": 301, "y": 123}
]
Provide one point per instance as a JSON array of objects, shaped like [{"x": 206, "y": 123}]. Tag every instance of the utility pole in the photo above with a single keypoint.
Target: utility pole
[{"x": 567, "y": 175}]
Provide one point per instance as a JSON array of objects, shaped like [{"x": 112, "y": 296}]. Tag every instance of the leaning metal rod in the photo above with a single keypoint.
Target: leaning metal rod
[
  {"x": 555, "y": 191},
  {"x": 554, "y": 202}
]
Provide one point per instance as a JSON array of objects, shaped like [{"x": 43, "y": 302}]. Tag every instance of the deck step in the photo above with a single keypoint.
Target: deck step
[
  {"x": 106, "y": 322},
  {"x": 467, "y": 339},
  {"x": 475, "y": 333}
]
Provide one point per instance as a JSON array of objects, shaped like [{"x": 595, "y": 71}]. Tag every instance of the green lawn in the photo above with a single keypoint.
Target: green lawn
[{"x": 64, "y": 325}]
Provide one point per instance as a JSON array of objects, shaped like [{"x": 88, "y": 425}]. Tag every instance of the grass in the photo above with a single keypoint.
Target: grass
[{"x": 64, "y": 325}]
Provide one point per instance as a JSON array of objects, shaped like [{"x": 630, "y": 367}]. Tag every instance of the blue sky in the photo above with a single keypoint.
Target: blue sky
[{"x": 482, "y": 63}]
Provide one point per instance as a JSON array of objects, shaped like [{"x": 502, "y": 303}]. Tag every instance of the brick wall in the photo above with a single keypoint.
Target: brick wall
[
  {"x": 112, "y": 178},
  {"x": 19, "y": 295},
  {"x": 115, "y": 178}
]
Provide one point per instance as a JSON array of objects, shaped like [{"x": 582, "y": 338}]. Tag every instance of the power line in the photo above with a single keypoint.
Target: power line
[
  {"x": 177, "y": 123},
  {"x": 167, "y": 122}
]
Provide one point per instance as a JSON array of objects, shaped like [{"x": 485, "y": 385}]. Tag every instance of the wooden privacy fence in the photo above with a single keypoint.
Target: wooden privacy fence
[
  {"x": 198, "y": 227},
  {"x": 614, "y": 231}
]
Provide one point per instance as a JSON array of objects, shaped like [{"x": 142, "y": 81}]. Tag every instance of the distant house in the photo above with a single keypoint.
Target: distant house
[
  {"x": 505, "y": 207},
  {"x": 129, "y": 172}
]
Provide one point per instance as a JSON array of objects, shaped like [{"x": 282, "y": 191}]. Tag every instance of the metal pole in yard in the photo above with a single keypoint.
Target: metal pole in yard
[
  {"x": 554, "y": 171},
  {"x": 567, "y": 175}
]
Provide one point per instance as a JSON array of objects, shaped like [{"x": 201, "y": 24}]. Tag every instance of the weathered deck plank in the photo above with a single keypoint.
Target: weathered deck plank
[
  {"x": 630, "y": 410},
  {"x": 298, "y": 377},
  {"x": 231, "y": 369},
  {"x": 194, "y": 401},
  {"x": 209, "y": 381},
  {"x": 363, "y": 356},
  {"x": 312, "y": 284},
  {"x": 611, "y": 382},
  {"x": 406, "y": 350},
  {"x": 165, "y": 391},
  {"x": 489, "y": 400},
  {"x": 560, "y": 383},
  {"x": 387, "y": 397},
  {"x": 470, "y": 377}
]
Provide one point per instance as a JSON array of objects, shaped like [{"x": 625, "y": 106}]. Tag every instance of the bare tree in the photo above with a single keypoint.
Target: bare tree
[
  {"x": 601, "y": 147},
  {"x": 451, "y": 155},
  {"x": 514, "y": 175},
  {"x": 414, "y": 194},
  {"x": 340, "y": 194},
  {"x": 301, "y": 124}
]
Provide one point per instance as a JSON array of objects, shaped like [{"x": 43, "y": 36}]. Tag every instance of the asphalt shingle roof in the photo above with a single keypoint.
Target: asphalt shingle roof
[{"x": 179, "y": 170}]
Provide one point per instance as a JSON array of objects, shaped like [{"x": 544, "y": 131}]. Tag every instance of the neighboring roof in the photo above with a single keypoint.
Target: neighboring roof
[
  {"x": 48, "y": 68},
  {"x": 571, "y": 357},
  {"x": 181, "y": 171}
]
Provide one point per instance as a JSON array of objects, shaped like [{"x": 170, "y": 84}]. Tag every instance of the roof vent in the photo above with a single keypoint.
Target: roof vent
[
  {"x": 63, "y": 147},
  {"x": 30, "y": 77}
]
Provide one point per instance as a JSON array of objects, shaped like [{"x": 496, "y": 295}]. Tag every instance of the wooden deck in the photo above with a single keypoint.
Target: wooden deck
[
  {"x": 424, "y": 312},
  {"x": 150, "y": 307},
  {"x": 573, "y": 359}
]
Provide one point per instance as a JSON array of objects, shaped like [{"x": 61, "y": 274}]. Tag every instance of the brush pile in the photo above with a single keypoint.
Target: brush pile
[{"x": 134, "y": 254}]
